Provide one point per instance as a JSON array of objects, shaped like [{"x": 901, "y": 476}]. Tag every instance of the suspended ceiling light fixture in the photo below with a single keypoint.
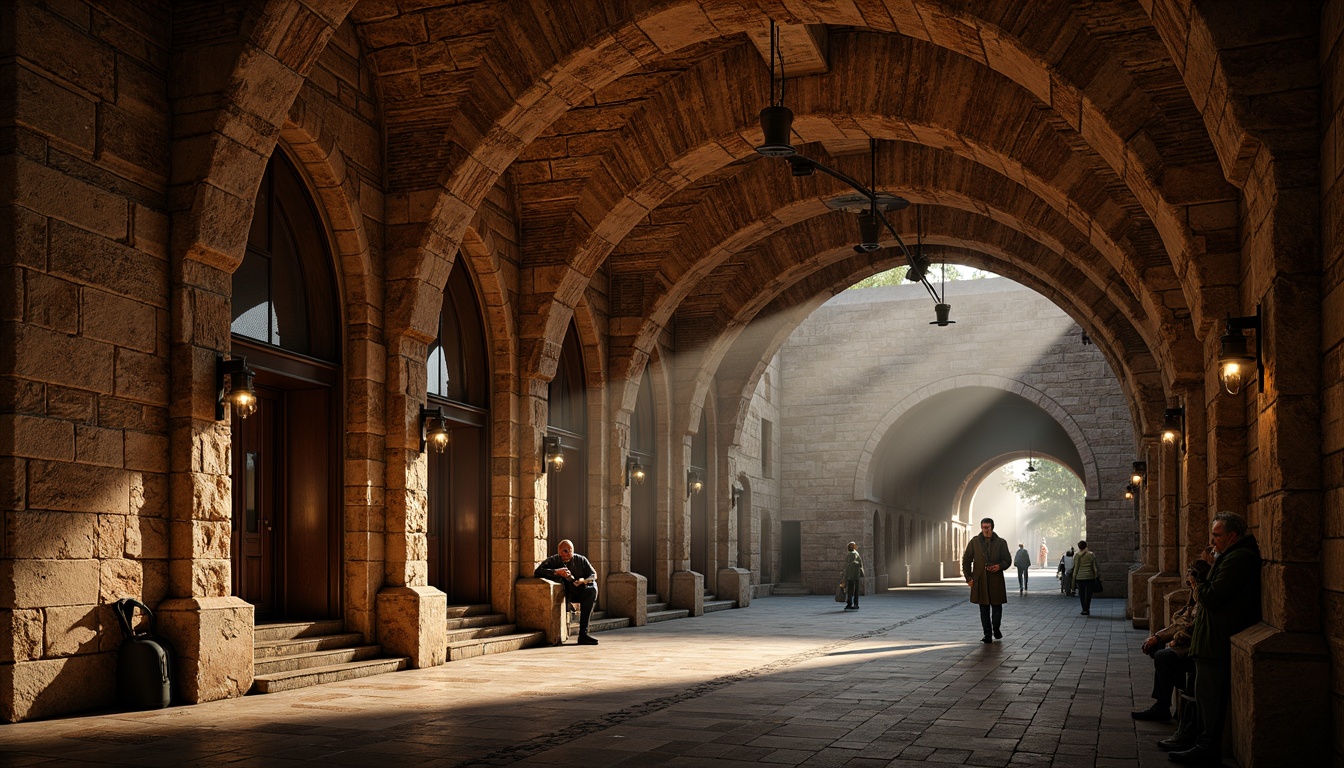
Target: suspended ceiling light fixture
[
  {"x": 777, "y": 131},
  {"x": 1031, "y": 467}
]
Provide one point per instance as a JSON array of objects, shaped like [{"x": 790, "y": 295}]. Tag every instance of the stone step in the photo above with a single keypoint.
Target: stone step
[
  {"x": 290, "y": 630},
  {"x": 303, "y": 678},
  {"x": 477, "y": 633},
  {"x": 326, "y": 658},
  {"x": 477, "y": 620},
  {"x": 656, "y": 616},
  {"x": 596, "y": 624},
  {"x": 657, "y": 607},
  {"x": 789, "y": 590},
  {"x": 460, "y": 611},
  {"x": 274, "y": 648},
  {"x": 719, "y": 605},
  {"x": 470, "y": 649}
]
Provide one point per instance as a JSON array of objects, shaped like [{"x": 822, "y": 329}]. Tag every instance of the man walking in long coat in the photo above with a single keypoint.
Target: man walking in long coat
[{"x": 983, "y": 564}]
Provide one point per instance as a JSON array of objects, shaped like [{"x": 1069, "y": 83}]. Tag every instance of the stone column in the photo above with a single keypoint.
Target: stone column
[
  {"x": 1168, "y": 485},
  {"x": 1281, "y": 668},
  {"x": 412, "y": 616},
  {"x": 211, "y": 630},
  {"x": 626, "y": 591},
  {"x": 1148, "y": 500}
]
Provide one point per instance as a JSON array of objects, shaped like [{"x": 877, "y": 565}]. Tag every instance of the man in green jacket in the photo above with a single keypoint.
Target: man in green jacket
[
  {"x": 1229, "y": 602},
  {"x": 983, "y": 564}
]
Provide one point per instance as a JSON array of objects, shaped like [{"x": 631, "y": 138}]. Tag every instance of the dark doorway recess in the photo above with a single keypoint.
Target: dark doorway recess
[
  {"x": 790, "y": 551},
  {"x": 286, "y": 524},
  {"x": 644, "y": 495},
  {"x": 458, "y": 531},
  {"x": 567, "y": 488}
]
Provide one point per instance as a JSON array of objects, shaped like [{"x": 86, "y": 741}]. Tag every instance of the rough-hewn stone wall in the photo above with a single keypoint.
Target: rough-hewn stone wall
[
  {"x": 869, "y": 354},
  {"x": 84, "y": 330},
  {"x": 1332, "y": 348}
]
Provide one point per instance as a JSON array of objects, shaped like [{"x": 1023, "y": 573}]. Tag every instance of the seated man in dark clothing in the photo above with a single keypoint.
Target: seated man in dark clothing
[
  {"x": 1170, "y": 649},
  {"x": 580, "y": 580}
]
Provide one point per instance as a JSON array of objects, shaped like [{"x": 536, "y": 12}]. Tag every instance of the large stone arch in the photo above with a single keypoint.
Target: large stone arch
[{"x": 863, "y": 478}]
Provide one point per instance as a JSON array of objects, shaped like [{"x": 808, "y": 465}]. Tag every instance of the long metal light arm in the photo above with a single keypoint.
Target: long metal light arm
[
  {"x": 871, "y": 194},
  {"x": 923, "y": 278}
]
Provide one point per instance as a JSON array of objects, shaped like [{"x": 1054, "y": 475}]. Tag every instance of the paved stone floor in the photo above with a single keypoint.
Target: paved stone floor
[{"x": 904, "y": 681}]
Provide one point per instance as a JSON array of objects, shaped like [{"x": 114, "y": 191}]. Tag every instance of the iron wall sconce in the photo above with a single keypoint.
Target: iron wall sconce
[
  {"x": 693, "y": 483},
  {"x": 1130, "y": 490},
  {"x": 238, "y": 392},
  {"x": 433, "y": 429},
  {"x": 1140, "y": 472},
  {"x": 1173, "y": 426},
  {"x": 1235, "y": 361},
  {"x": 734, "y": 494},
  {"x": 634, "y": 470},
  {"x": 552, "y": 455}
]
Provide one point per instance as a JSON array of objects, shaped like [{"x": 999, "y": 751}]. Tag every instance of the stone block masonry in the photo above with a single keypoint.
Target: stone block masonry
[{"x": 869, "y": 356}]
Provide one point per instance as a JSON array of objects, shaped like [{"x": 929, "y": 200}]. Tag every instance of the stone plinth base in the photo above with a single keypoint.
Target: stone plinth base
[
  {"x": 1158, "y": 586},
  {"x": 1137, "y": 606},
  {"x": 1280, "y": 714},
  {"x": 540, "y": 606},
  {"x": 688, "y": 592},
  {"x": 413, "y": 622},
  {"x": 880, "y": 583},
  {"x": 34, "y": 689},
  {"x": 735, "y": 584},
  {"x": 212, "y": 646},
  {"x": 627, "y": 596}
]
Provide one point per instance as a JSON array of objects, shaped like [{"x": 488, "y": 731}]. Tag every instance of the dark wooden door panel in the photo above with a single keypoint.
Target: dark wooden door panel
[{"x": 308, "y": 510}]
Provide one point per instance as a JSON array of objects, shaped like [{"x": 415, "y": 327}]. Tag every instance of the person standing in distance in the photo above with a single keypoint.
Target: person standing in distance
[
  {"x": 1022, "y": 561},
  {"x": 580, "y": 581},
  {"x": 983, "y": 564},
  {"x": 853, "y": 574}
]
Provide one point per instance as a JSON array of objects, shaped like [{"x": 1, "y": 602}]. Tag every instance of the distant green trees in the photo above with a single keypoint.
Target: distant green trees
[
  {"x": 1054, "y": 498},
  {"x": 897, "y": 276}
]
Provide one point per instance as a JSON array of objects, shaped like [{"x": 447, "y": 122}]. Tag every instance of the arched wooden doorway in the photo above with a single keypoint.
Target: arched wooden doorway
[
  {"x": 644, "y": 494},
  {"x": 286, "y": 534},
  {"x": 459, "y": 478},
  {"x": 567, "y": 488}
]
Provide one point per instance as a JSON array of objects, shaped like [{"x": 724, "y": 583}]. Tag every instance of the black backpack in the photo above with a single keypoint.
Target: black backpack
[{"x": 144, "y": 662}]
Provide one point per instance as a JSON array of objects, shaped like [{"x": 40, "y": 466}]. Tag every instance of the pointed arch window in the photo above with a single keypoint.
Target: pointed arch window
[{"x": 284, "y": 292}]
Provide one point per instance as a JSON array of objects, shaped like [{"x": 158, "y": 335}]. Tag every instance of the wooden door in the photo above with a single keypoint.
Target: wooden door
[
  {"x": 644, "y": 524},
  {"x": 257, "y": 469},
  {"x": 286, "y": 527},
  {"x": 567, "y": 496},
  {"x": 459, "y": 516}
]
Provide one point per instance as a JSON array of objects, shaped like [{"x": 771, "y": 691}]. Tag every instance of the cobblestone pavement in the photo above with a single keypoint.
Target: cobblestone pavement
[{"x": 903, "y": 681}]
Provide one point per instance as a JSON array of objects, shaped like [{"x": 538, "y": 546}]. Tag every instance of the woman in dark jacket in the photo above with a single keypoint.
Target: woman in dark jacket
[
  {"x": 983, "y": 564},
  {"x": 1085, "y": 572}
]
